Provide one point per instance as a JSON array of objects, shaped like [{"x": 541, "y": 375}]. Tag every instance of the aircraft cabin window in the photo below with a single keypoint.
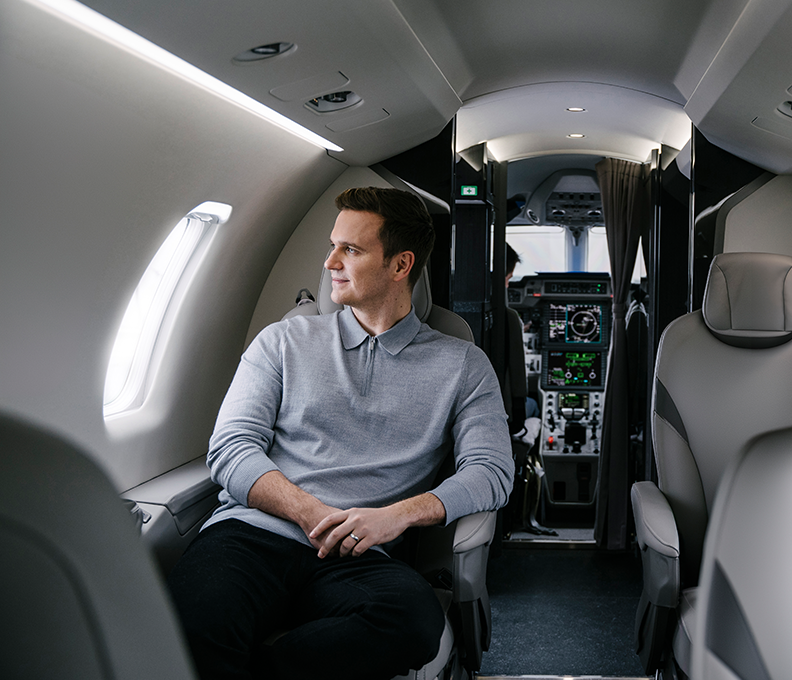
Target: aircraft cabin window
[
  {"x": 131, "y": 358},
  {"x": 598, "y": 250},
  {"x": 544, "y": 249},
  {"x": 598, "y": 255},
  {"x": 541, "y": 249}
]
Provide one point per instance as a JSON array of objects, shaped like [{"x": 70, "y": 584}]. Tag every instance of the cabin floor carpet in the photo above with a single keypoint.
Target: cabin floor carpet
[{"x": 563, "y": 612}]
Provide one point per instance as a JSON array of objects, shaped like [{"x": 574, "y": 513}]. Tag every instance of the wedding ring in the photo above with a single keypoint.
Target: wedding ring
[{"x": 353, "y": 537}]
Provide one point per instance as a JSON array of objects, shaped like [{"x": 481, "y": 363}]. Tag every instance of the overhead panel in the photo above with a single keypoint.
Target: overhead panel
[{"x": 367, "y": 48}]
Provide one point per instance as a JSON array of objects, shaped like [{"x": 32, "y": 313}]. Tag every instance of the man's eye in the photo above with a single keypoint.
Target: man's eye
[{"x": 351, "y": 251}]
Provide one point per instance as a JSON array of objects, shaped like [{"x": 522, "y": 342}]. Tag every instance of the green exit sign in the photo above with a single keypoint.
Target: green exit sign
[{"x": 469, "y": 190}]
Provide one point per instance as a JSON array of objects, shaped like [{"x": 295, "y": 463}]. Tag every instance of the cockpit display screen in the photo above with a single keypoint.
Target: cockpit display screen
[
  {"x": 574, "y": 369},
  {"x": 574, "y": 323},
  {"x": 574, "y": 400}
]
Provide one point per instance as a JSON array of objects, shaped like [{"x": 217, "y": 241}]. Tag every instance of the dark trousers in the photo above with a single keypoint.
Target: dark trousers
[{"x": 369, "y": 617}]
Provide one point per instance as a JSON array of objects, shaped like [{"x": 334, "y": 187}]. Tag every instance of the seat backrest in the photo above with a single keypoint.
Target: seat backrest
[
  {"x": 432, "y": 315},
  {"x": 744, "y": 606},
  {"x": 723, "y": 376},
  {"x": 80, "y": 596}
]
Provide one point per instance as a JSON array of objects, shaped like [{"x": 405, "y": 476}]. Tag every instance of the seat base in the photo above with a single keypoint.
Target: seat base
[{"x": 685, "y": 630}]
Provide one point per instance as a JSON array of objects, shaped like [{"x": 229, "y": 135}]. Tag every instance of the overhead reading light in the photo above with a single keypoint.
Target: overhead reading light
[
  {"x": 786, "y": 109},
  {"x": 333, "y": 102},
  {"x": 115, "y": 33},
  {"x": 264, "y": 52},
  {"x": 575, "y": 109},
  {"x": 575, "y": 135}
]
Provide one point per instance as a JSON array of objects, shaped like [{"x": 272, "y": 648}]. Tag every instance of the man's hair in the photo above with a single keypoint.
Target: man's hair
[
  {"x": 406, "y": 224},
  {"x": 512, "y": 258}
]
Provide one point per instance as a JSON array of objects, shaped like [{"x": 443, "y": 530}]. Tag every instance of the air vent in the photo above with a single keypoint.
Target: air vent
[
  {"x": 786, "y": 109},
  {"x": 264, "y": 52},
  {"x": 333, "y": 102}
]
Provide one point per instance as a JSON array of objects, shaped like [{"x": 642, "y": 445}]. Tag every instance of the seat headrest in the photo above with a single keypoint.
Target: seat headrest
[
  {"x": 748, "y": 299},
  {"x": 421, "y": 297}
]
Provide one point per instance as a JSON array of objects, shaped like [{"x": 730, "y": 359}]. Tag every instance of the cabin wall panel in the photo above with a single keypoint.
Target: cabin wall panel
[
  {"x": 103, "y": 153},
  {"x": 760, "y": 223}
]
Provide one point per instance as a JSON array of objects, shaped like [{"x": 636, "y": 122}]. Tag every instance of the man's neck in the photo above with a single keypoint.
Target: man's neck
[{"x": 376, "y": 321}]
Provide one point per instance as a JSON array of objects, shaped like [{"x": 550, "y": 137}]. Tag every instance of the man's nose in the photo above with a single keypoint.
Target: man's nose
[{"x": 331, "y": 261}]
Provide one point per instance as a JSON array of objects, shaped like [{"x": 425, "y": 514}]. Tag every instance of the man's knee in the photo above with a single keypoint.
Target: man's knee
[
  {"x": 422, "y": 632},
  {"x": 418, "y": 623}
]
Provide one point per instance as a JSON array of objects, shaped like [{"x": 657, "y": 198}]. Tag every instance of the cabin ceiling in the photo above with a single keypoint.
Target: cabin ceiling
[{"x": 642, "y": 69}]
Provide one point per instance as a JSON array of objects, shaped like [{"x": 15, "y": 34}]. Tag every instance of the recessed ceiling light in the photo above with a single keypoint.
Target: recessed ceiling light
[
  {"x": 576, "y": 135},
  {"x": 575, "y": 109},
  {"x": 333, "y": 102}
]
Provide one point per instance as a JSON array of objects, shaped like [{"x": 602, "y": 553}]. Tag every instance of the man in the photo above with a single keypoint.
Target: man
[
  {"x": 515, "y": 347},
  {"x": 327, "y": 445}
]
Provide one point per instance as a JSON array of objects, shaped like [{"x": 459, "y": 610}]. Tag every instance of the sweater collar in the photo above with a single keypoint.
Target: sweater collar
[{"x": 394, "y": 340}]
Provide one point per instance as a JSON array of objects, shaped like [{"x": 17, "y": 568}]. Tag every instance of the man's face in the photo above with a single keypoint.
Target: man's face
[{"x": 357, "y": 264}]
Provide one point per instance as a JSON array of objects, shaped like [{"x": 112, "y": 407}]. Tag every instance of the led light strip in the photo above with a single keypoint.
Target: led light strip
[{"x": 114, "y": 32}]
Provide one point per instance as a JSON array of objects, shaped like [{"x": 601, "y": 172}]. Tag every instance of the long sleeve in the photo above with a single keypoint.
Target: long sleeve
[
  {"x": 244, "y": 431},
  {"x": 482, "y": 446}
]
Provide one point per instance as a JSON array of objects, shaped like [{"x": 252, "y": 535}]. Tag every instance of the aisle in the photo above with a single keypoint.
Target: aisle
[{"x": 563, "y": 612}]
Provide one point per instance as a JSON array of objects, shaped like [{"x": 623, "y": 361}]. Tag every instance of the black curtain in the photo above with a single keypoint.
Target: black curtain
[{"x": 624, "y": 203}]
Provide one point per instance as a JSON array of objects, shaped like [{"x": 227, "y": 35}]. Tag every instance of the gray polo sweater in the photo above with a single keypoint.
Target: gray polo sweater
[{"x": 361, "y": 421}]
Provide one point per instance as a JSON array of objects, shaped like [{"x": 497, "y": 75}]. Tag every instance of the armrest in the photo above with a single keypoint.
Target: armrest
[
  {"x": 473, "y": 531},
  {"x": 658, "y": 539},
  {"x": 177, "y": 504},
  {"x": 473, "y": 536},
  {"x": 655, "y": 525}
]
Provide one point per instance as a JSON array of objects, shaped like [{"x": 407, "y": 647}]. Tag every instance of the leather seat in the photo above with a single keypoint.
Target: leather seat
[
  {"x": 723, "y": 376},
  {"x": 81, "y": 599},
  {"x": 453, "y": 558},
  {"x": 745, "y": 597}
]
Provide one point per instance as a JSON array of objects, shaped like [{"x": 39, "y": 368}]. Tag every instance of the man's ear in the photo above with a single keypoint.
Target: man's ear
[{"x": 402, "y": 265}]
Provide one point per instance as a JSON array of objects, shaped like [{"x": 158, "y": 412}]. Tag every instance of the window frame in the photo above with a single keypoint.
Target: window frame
[{"x": 162, "y": 287}]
